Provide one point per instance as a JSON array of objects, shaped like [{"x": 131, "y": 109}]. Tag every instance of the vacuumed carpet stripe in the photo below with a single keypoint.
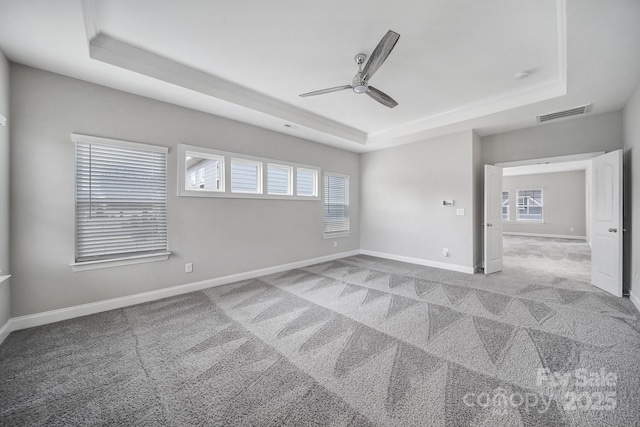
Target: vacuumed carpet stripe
[{"x": 357, "y": 342}]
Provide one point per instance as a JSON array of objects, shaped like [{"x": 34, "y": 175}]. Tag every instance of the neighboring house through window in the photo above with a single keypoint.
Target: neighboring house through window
[
  {"x": 529, "y": 205},
  {"x": 279, "y": 179},
  {"x": 246, "y": 176},
  {"x": 307, "y": 182}
]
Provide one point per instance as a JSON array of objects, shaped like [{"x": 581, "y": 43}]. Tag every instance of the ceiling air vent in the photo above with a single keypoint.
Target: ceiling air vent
[{"x": 566, "y": 113}]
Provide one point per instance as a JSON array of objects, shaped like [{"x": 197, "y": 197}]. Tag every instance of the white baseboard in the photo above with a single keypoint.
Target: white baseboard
[
  {"x": 556, "y": 236},
  {"x": 635, "y": 300},
  {"x": 420, "y": 261},
  {"x": 5, "y": 330},
  {"x": 38, "y": 319}
]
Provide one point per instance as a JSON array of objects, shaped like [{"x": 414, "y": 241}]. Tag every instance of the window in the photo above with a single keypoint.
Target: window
[
  {"x": 279, "y": 179},
  {"x": 505, "y": 206},
  {"x": 246, "y": 176},
  {"x": 529, "y": 205},
  {"x": 204, "y": 172},
  {"x": 307, "y": 182},
  {"x": 336, "y": 204},
  {"x": 121, "y": 200}
]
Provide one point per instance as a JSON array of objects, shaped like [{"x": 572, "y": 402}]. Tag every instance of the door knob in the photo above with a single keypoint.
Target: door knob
[{"x": 613, "y": 230}]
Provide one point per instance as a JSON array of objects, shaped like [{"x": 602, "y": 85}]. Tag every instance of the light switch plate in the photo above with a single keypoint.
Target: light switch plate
[{"x": 459, "y": 211}]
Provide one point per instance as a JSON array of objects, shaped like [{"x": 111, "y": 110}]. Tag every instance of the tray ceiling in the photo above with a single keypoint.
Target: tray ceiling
[{"x": 452, "y": 69}]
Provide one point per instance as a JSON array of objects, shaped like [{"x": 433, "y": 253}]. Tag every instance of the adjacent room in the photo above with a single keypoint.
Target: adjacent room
[
  {"x": 332, "y": 213},
  {"x": 545, "y": 216}
]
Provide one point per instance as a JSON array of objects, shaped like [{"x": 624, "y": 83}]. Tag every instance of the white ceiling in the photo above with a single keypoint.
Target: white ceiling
[{"x": 452, "y": 69}]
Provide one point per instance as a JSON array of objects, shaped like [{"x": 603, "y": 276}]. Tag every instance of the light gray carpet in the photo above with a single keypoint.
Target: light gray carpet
[
  {"x": 355, "y": 342},
  {"x": 561, "y": 257}
]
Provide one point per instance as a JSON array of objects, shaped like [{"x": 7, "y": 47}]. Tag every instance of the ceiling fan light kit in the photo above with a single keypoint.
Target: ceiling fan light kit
[{"x": 360, "y": 82}]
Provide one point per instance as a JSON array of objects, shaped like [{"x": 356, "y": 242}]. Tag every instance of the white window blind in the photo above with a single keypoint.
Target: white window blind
[
  {"x": 246, "y": 176},
  {"x": 121, "y": 200},
  {"x": 336, "y": 203},
  {"x": 306, "y": 182},
  {"x": 279, "y": 179}
]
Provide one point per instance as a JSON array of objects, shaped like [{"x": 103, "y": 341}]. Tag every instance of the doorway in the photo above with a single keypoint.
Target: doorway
[
  {"x": 544, "y": 214},
  {"x": 557, "y": 214}
]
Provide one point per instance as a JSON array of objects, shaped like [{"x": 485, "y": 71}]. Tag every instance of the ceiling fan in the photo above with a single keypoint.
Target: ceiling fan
[{"x": 360, "y": 83}]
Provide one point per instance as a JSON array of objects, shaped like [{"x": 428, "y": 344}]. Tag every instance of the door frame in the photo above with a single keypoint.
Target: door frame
[{"x": 588, "y": 188}]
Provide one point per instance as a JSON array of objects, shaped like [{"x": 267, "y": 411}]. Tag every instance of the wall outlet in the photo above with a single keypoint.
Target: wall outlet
[
  {"x": 188, "y": 267},
  {"x": 445, "y": 252},
  {"x": 335, "y": 243},
  {"x": 572, "y": 229}
]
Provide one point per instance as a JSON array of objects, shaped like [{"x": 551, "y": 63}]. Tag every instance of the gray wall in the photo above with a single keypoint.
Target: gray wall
[
  {"x": 5, "y": 310},
  {"x": 564, "y": 204},
  {"x": 632, "y": 192},
  {"x": 599, "y": 132},
  {"x": 401, "y": 199},
  {"x": 219, "y": 236}
]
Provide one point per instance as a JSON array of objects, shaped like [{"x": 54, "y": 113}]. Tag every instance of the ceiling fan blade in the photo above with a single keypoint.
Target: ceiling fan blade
[
  {"x": 380, "y": 53},
  {"x": 381, "y": 97},
  {"x": 329, "y": 90}
]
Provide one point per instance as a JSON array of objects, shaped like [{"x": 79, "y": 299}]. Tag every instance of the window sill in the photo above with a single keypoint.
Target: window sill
[
  {"x": 119, "y": 262},
  {"x": 340, "y": 234},
  {"x": 228, "y": 195}
]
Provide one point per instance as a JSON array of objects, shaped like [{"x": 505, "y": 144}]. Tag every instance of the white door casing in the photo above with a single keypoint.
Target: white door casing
[
  {"x": 492, "y": 219},
  {"x": 606, "y": 222}
]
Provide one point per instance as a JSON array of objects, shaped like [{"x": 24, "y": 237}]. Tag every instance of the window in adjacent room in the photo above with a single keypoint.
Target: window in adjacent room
[
  {"x": 279, "y": 180},
  {"x": 505, "y": 206},
  {"x": 336, "y": 204},
  {"x": 529, "y": 205},
  {"x": 307, "y": 182},
  {"x": 121, "y": 202},
  {"x": 246, "y": 176}
]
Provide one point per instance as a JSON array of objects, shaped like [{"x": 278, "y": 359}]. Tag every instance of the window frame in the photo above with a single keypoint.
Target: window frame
[
  {"x": 530, "y": 221},
  {"x": 227, "y": 156},
  {"x": 340, "y": 233},
  {"x": 125, "y": 258}
]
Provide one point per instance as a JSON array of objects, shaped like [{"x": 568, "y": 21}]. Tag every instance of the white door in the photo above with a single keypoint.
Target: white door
[
  {"x": 606, "y": 222},
  {"x": 492, "y": 219}
]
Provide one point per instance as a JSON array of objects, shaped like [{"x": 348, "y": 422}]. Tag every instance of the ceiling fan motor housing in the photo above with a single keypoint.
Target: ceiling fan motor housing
[{"x": 359, "y": 84}]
